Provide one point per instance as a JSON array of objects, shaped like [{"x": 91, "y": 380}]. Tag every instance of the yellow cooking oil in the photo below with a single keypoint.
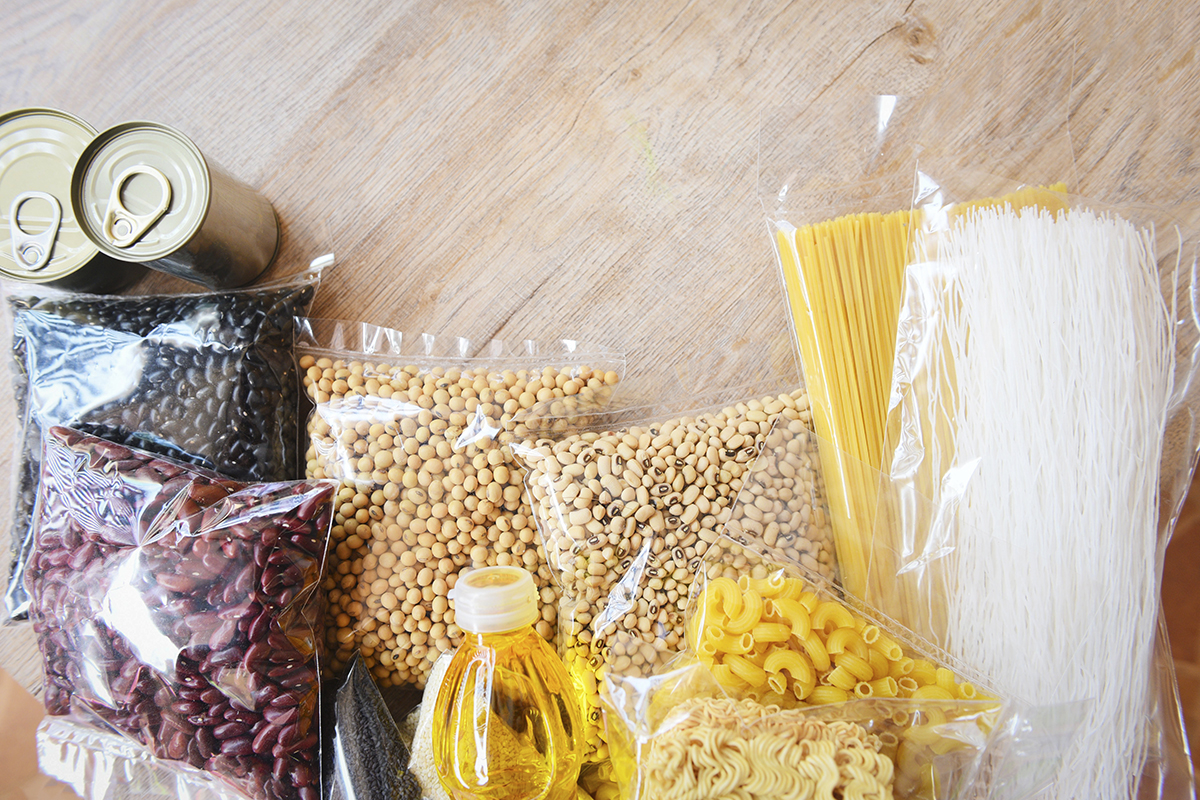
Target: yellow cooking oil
[{"x": 506, "y": 722}]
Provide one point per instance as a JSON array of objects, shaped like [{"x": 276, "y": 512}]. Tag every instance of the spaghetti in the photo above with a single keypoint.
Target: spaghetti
[{"x": 844, "y": 279}]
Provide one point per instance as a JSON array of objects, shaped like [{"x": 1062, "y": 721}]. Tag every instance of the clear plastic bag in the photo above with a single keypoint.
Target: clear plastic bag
[
  {"x": 629, "y": 514},
  {"x": 843, "y": 236},
  {"x": 101, "y": 765},
  {"x": 369, "y": 759},
  {"x": 208, "y": 379},
  {"x": 415, "y": 429},
  {"x": 786, "y": 683},
  {"x": 178, "y": 609},
  {"x": 939, "y": 164},
  {"x": 1092, "y": 312}
]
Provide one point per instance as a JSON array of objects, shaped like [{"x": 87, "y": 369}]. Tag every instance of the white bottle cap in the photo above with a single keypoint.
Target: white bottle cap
[{"x": 494, "y": 599}]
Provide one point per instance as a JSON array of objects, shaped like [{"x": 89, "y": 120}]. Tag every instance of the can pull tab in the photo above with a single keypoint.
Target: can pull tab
[
  {"x": 124, "y": 228},
  {"x": 32, "y": 250}
]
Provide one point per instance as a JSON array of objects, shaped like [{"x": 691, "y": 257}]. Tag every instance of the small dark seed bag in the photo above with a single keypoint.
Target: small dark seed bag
[
  {"x": 208, "y": 379},
  {"x": 368, "y": 758}
]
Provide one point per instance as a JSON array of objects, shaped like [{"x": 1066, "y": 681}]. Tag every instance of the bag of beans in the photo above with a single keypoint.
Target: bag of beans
[
  {"x": 177, "y": 608},
  {"x": 102, "y": 765},
  {"x": 208, "y": 378},
  {"x": 629, "y": 514},
  {"x": 415, "y": 428}
]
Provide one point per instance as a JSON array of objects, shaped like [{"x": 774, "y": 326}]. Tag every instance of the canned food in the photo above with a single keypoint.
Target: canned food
[
  {"x": 40, "y": 238},
  {"x": 143, "y": 192}
]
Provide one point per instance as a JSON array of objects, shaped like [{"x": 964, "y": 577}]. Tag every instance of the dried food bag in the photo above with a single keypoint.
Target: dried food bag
[
  {"x": 787, "y": 684},
  {"x": 629, "y": 514},
  {"x": 180, "y": 610},
  {"x": 415, "y": 428},
  {"x": 843, "y": 233},
  {"x": 369, "y": 758},
  {"x": 102, "y": 765},
  {"x": 209, "y": 379},
  {"x": 1093, "y": 307}
]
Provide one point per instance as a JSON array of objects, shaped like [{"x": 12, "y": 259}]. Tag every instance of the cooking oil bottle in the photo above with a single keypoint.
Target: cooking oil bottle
[{"x": 506, "y": 722}]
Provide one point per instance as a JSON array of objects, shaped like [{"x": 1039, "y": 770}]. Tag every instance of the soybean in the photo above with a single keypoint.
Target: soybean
[{"x": 428, "y": 489}]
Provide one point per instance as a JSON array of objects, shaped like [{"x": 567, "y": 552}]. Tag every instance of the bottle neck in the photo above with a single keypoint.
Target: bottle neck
[{"x": 492, "y": 638}]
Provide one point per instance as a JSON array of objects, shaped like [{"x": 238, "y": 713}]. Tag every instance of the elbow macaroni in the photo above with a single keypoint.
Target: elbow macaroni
[{"x": 773, "y": 635}]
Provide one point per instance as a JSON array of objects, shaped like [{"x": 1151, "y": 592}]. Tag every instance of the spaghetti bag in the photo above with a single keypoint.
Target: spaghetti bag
[
  {"x": 208, "y": 379},
  {"x": 1062, "y": 521},
  {"x": 836, "y": 184},
  {"x": 177, "y": 609},
  {"x": 414, "y": 429},
  {"x": 783, "y": 673},
  {"x": 629, "y": 514}
]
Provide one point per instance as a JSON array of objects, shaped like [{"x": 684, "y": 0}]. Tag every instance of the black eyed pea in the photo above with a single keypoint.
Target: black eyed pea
[{"x": 675, "y": 485}]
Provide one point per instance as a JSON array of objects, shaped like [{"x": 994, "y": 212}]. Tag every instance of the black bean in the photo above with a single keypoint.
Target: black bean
[{"x": 212, "y": 383}]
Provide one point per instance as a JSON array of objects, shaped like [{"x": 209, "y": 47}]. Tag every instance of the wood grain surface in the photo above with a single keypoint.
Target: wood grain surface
[{"x": 590, "y": 170}]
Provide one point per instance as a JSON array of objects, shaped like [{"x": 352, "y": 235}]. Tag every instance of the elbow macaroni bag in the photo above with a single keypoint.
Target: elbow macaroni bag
[{"x": 787, "y": 685}]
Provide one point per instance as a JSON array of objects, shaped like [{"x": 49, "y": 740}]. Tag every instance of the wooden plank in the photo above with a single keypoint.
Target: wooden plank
[{"x": 589, "y": 169}]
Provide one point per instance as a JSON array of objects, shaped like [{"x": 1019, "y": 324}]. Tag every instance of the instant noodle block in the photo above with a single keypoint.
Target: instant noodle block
[{"x": 175, "y": 607}]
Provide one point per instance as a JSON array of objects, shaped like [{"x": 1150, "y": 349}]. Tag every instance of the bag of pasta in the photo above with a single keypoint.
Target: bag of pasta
[
  {"x": 414, "y": 428},
  {"x": 787, "y": 686},
  {"x": 629, "y": 513}
]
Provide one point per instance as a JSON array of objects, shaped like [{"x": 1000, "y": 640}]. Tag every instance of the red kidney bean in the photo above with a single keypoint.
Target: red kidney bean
[
  {"x": 281, "y": 716},
  {"x": 241, "y": 746},
  {"x": 233, "y": 703},
  {"x": 285, "y": 700},
  {"x": 224, "y": 634},
  {"x": 230, "y": 730},
  {"x": 177, "y": 748},
  {"x": 265, "y": 739}
]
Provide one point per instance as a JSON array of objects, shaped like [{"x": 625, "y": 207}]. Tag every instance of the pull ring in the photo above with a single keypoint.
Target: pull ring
[
  {"x": 32, "y": 250},
  {"x": 121, "y": 226}
]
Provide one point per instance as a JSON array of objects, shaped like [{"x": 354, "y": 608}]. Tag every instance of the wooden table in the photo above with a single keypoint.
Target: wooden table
[{"x": 589, "y": 169}]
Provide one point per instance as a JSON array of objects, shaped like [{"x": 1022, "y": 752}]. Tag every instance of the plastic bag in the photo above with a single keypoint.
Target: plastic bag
[
  {"x": 842, "y": 237},
  {"x": 423, "y": 766},
  {"x": 1091, "y": 313},
  {"x": 369, "y": 758},
  {"x": 100, "y": 765},
  {"x": 179, "y": 614},
  {"x": 628, "y": 515},
  {"x": 205, "y": 378},
  {"x": 786, "y": 683},
  {"x": 415, "y": 428}
]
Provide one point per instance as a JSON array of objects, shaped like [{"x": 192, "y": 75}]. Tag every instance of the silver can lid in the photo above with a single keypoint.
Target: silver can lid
[
  {"x": 40, "y": 239},
  {"x": 141, "y": 191}
]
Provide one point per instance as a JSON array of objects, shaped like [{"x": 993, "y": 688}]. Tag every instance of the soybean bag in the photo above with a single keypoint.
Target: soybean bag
[{"x": 415, "y": 429}]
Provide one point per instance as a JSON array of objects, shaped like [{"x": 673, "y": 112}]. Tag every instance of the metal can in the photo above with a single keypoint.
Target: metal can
[
  {"x": 143, "y": 192},
  {"x": 41, "y": 240}
]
